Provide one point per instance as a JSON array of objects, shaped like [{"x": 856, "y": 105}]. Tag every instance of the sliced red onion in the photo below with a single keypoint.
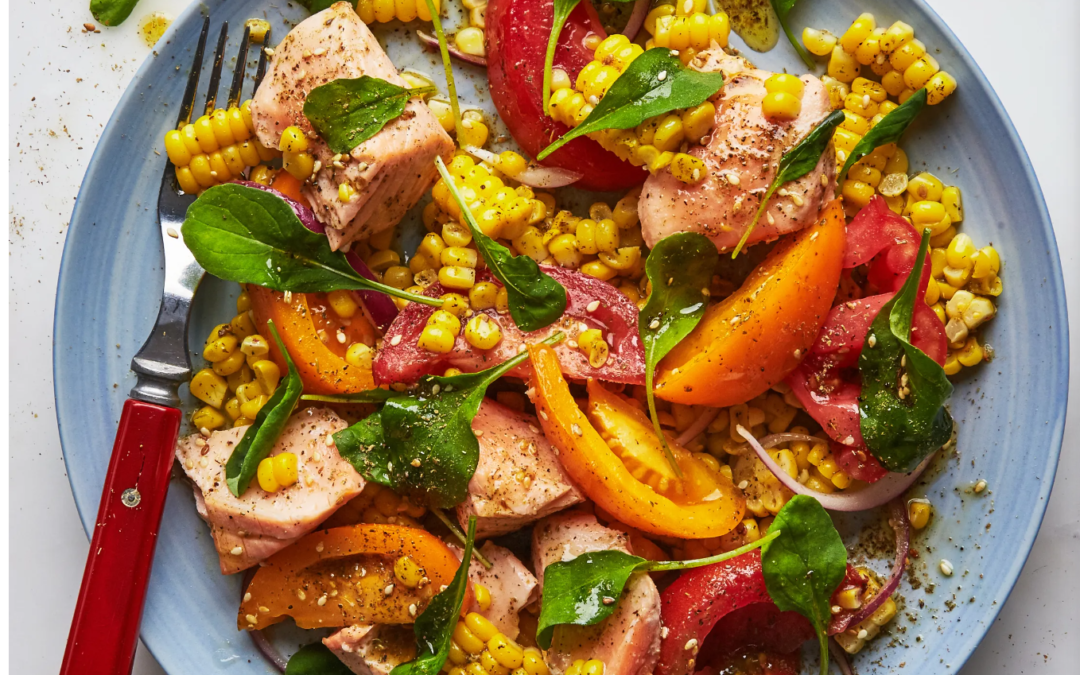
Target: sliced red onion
[
  {"x": 433, "y": 41},
  {"x": 306, "y": 215},
  {"x": 379, "y": 306},
  {"x": 872, "y": 496},
  {"x": 636, "y": 20},
  {"x": 773, "y": 440},
  {"x": 840, "y": 657},
  {"x": 898, "y": 520},
  {"x": 268, "y": 650},
  {"x": 700, "y": 424},
  {"x": 545, "y": 177}
]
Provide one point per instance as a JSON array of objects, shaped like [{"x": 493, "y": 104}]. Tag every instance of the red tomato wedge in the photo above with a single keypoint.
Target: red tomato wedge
[
  {"x": 402, "y": 360},
  {"x": 517, "y": 36},
  {"x": 726, "y": 608},
  {"x": 827, "y": 381}
]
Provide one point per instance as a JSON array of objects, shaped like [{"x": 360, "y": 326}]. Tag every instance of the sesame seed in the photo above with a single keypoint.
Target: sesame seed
[
  {"x": 172, "y": 233},
  {"x": 389, "y": 589},
  {"x": 247, "y": 597},
  {"x": 412, "y": 609},
  {"x": 690, "y": 644},
  {"x": 769, "y": 217},
  {"x": 252, "y": 619},
  {"x": 341, "y": 337},
  {"x": 415, "y": 462},
  {"x": 203, "y": 463},
  {"x": 269, "y": 51},
  {"x": 608, "y": 600},
  {"x": 733, "y": 178},
  {"x": 330, "y": 440},
  {"x": 662, "y": 75},
  {"x": 654, "y": 324},
  {"x": 797, "y": 199},
  {"x": 980, "y": 486},
  {"x": 395, "y": 341},
  {"x": 946, "y": 567},
  {"x": 593, "y": 306},
  {"x": 320, "y": 51},
  {"x": 872, "y": 341},
  {"x": 576, "y": 429},
  {"x": 835, "y": 609},
  {"x": 533, "y": 429},
  {"x": 479, "y": 433},
  {"x": 301, "y": 594},
  {"x": 319, "y": 547},
  {"x": 317, "y": 456},
  {"x": 744, "y": 484},
  {"x": 862, "y": 634},
  {"x": 322, "y": 600},
  {"x": 824, "y": 180},
  {"x": 664, "y": 632}
]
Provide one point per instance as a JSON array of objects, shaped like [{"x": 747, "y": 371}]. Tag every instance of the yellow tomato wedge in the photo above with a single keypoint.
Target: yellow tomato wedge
[
  {"x": 752, "y": 339},
  {"x": 700, "y": 505}
]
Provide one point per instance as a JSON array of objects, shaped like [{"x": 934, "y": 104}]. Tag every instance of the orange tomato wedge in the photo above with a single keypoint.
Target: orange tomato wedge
[
  {"x": 340, "y": 577},
  {"x": 700, "y": 505},
  {"x": 754, "y": 338},
  {"x": 286, "y": 184},
  {"x": 309, "y": 329}
]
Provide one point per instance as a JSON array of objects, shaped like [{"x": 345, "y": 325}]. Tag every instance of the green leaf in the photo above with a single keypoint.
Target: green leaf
[
  {"x": 260, "y": 437},
  {"x": 680, "y": 268},
  {"x": 585, "y": 590},
  {"x": 421, "y": 443},
  {"x": 315, "y": 6},
  {"x": 535, "y": 299},
  {"x": 434, "y": 628},
  {"x": 112, "y": 12},
  {"x": 347, "y": 112},
  {"x": 901, "y": 431},
  {"x": 888, "y": 130},
  {"x": 448, "y": 68},
  {"x": 803, "y": 567},
  {"x": 562, "y": 12},
  {"x": 316, "y": 659},
  {"x": 654, "y": 83},
  {"x": 782, "y": 9},
  {"x": 239, "y": 233},
  {"x": 796, "y": 163}
]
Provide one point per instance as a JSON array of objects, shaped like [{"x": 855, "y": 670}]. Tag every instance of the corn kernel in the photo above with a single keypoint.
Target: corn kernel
[
  {"x": 482, "y": 295},
  {"x": 919, "y": 73},
  {"x": 359, "y": 355},
  {"x": 480, "y": 626},
  {"x": 209, "y": 387},
  {"x": 406, "y": 570},
  {"x": 483, "y": 596},
  {"x": 857, "y": 193},
  {"x": 265, "y": 475},
  {"x": 926, "y": 186},
  {"x": 482, "y": 332},
  {"x": 251, "y": 407},
  {"x": 502, "y": 301},
  {"x": 467, "y": 640},
  {"x": 293, "y": 140},
  {"x": 437, "y": 339},
  {"x": 506, "y": 652},
  {"x": 698, "y": 121},
  {"x": 960, "y": 251},
  {"x": 286, "y": 472},
  {"x": 897, "y": 35},
  {"x": 533, "y": 660},
  {"x": 473, "y": 133},
  {"x": 207, "y": 417},
  {"x": 591, "y": 343},
  {"x": 460, "y": 257},
  {"x": 299, "y": 165},
  {"x": 859, "y": 30},
  {"x": 908, "y": 53},
  {"x": 939, "y": 87},
  {"x": 565, "y": 251},
  {"x": 818, "y": 42},
  {"x": 971, "y": 354}
]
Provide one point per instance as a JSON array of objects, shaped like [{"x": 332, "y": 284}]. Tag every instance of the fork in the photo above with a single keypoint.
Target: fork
[{"x": 105, "y": 627}]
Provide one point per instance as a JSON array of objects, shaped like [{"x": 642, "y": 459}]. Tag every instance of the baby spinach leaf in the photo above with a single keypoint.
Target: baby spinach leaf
[
  {"x": 804, "y": 567},
  {"x": 586, "y": 590},
  {"x": 796, "y": 163},
  {"x": 782, "y": 9},
  {"x": 434, "y": 628},
  {"x": 535, "y": 299},
  {"x": 888, "y": 130},
  {"x": 260, "y": 437},
  {"x": 241, "y": 234},
  {"x": 902, "y": 405},
  {"x": 680, "y": 268},
  {"x": 448, "y": 68},
  {"x": 562, "y": 12},
  {"x": 653, "y": 84},
  {"x": 316, "y": 659},
  {"x": 421, "y": 443},
  {"x": 112, "y": 12},
  {"x": 347, "y": 112}
]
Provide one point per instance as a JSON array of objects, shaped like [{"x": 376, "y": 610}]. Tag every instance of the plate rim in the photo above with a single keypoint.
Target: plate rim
[{"x": 1055, "y": 278}]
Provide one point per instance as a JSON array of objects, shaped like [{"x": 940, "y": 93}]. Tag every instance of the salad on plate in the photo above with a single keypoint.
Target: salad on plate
[{"x": 593, "y": 418}]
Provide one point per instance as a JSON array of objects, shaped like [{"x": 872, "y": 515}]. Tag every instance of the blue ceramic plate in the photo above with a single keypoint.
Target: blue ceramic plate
[{"x": 1011, "y": 415}]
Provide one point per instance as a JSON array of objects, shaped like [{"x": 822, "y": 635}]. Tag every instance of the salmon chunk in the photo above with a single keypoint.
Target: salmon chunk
[
  {"x": 254, "y": 526},
  {"x": 741, "y": 156},
  {"x": 518, "y": 477},
  {"x": 628, "y": 641},
  {"x": 391, "y": 170},
  {"x": 372, "y": 649},
  {"x": 513, "y": 587}
]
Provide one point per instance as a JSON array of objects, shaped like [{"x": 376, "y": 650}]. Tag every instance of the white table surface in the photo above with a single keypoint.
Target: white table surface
[{"x": 64, "y": 84}]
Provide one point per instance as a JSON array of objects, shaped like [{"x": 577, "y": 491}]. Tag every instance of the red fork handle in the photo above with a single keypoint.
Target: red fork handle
[{"x": 106, "y": 624}]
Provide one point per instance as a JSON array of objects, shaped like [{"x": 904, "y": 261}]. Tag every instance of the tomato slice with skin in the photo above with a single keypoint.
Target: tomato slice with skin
[
  {"x": 604, "y": 477},
  {"x": 517, "y": 35},
  {"x": 310, "y": 329},
  {"x": 754, "y": 338},
  {"x": 725, "y": 607},
  {"x": 338, "y": 577}
]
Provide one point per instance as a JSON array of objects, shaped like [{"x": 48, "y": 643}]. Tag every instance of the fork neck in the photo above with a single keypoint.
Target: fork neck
[{"x": 163, "y": 362}]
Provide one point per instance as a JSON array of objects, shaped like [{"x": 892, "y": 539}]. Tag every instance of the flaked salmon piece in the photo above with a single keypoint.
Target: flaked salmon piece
[
  {"x": 513, "y": 587},
  {"x": 372, "y": 649},
  {"x": 250, "y": 528},
  {"x": 391, "y": 170},
  {"x": 518, "y": 477},
  {"x": 628, "y": 641},
  {"x": 741, "y": 155}
]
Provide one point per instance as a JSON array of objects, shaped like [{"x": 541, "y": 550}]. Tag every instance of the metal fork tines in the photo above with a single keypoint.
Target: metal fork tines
[{"x": 162, "y": 363}]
